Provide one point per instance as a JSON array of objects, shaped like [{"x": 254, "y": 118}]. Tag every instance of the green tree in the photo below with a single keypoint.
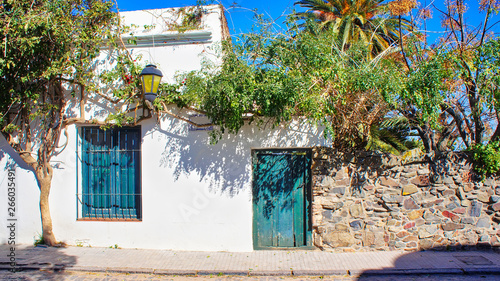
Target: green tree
[
  {"x": 47, "y": 60},
  {"x": 451, "y": 88},
  {"x": 270, "y": 78}
]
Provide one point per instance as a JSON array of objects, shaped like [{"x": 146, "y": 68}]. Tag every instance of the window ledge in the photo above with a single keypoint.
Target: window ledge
[{"x": 109, "y": 219}]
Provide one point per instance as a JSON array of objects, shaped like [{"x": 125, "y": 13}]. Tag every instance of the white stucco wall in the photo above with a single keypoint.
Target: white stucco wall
[
  {"x": 27, "y": 211},
  {"x": 175, "y": 58},
  {"x": 195, "y": 196}
]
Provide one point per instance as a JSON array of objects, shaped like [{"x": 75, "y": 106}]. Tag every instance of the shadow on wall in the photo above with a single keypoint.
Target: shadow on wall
[
  {"x": 15, "y": 159},
  {"x": 36, "y": 262},
  {"x": 226, "y": 166},
  {"x": 470, "y": 259}
]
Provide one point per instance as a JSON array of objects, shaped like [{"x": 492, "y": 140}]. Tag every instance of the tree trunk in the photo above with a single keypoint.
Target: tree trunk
[{"x": 44, "y": 179}]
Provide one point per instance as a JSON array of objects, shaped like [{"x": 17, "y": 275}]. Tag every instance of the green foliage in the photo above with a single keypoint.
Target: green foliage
[
  {"x": 425, "y": 89},
  {"x": 356, "y": 21},
  {"x": 45, "y": 44},
  {"x": 190, "y": 17},
  {"x": 39, "y": 240},
  {"x": 392, "y": 135},
  {"x": 488, "y": 62},
  {"x": 269, "y": 78},
  {"x": 487, "y": 158}
]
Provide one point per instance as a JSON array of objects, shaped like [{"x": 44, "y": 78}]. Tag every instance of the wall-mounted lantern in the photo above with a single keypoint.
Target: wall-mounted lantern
[{"x": 150, "y": 78}]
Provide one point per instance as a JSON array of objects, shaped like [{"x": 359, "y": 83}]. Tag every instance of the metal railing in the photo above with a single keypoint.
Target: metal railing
[{"x": 109, "y": 206}]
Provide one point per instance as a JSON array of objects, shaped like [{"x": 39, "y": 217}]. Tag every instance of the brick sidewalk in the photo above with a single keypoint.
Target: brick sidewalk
[{"x": 258, "y": 263}]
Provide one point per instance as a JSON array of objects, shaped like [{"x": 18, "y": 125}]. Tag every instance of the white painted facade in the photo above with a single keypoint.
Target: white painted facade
[{"x": 195, "y": 196}]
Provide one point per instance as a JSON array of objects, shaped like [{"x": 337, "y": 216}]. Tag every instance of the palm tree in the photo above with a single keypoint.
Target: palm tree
[
  {"x": 392, "y": 135},
  {"x": 365, "y": 21}
]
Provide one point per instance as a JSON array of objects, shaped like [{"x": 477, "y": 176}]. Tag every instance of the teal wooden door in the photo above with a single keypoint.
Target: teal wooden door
[{"x": 281, "y": 198}]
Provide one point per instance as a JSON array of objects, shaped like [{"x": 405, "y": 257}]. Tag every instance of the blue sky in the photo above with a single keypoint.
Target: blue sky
[{"x": 240, "y": 16}]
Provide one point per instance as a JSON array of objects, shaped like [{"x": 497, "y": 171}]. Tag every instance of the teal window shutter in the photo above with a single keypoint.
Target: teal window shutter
[{"x": 111, "y": 186}]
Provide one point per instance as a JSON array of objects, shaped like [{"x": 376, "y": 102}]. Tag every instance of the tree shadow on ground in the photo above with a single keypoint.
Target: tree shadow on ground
[
  {"x": 457, "y": 260},
  {"x": 35, "y": 263}
]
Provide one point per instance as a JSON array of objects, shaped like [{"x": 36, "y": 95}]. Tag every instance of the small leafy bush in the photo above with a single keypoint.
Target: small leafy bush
[{"x": 487, "y": 158}]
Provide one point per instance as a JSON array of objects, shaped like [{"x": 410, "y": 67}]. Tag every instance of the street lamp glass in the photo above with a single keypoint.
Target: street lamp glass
[{"x": 150, "y": 78}]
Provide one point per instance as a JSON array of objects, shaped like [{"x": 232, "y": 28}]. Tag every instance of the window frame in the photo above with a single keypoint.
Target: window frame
[{"x": 124, "y": 144}]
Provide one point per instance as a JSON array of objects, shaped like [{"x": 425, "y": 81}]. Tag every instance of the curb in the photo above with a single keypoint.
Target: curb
[{"x": 278, "y": 272}]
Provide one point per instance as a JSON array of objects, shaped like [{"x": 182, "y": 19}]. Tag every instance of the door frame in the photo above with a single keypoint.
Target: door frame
[{"x": 308, "y": 197}]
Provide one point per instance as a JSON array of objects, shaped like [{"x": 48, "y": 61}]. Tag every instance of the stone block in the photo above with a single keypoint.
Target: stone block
[
  {"x": 358, "y": 192},
  {"x": 448, "y": 180},
  {"x": 399, "y": 244},
  {"x": 394, "y": 229},
  {"x": 392, "y": 199},
  {"x": 415, "y": 214},
  {"x": 331, "y": 203},
  {"x": 451, "y": 216},
  {"x": 368, "y": 238},
  {"x": 385, "y": 181},
  {"x": 343, "y": 182},
  {"x": 449, "y": 192},
  {"x": 489, "y": 182},
  {"x": 483, "y": 197},
  {"x": 459, "y": 210},
  {"x": 460, "y": 193},
  {"x": 342, "y": 173},
  {"x": 495, "y": 241},
  {"x": 409, "y": 204},
  {"x": 426, "y": 231},
  {"x": 410, "y": 238},
  {"x": 469, "y": 237},
  {"x": 409, "y": 189},
  {"x": 409, "y": 174},
  {"x": 475, "y": 209},
  {"x": 421, "y": 181},
  {"x": 389, "y": 161},
  {"x": 409, "y": 225},
  {"x": 426, "y": 244},
  {"x": 339, "y": 239},
  {"x": 484, "y": 238},
  {"x": 337, "y": 190},
  {"x": 423, "y": 171},
  {"x": 451, "y": 226},
  {"x": 368, "y": 186},
  {"x": 356, "y": 225},
  {"x": 327, "y": 182},
  {"x": 419, "y": 222},
  {"x": 341, "y": 227},
  {"x": 465, "y": 203},
  {"x": 483, "y": 222},
  {"x": 468, "y": 187},
  {"x": 467, "y": 220},
  {"x": 356, "y": 210},
  {"x": 402, "y": 234},
  {"x": 336, "y": 219},
  {"x": 327, "y": 215},
  {"x": 452, "y": 206},
  {"x": 496, "y": 207},
  {"x": 411, "y": 244},
  {"x": 429, "y": 217}
]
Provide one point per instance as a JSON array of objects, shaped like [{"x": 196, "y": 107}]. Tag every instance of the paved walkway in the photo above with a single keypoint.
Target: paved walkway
[{"x": 258, "y": 263}]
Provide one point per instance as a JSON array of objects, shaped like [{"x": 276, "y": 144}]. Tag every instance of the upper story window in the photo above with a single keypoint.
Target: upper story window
[{"x": 110, "y": 173}]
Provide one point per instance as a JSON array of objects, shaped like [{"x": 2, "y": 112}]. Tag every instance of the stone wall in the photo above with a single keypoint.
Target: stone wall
[{"x": 367, "y": 201}]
